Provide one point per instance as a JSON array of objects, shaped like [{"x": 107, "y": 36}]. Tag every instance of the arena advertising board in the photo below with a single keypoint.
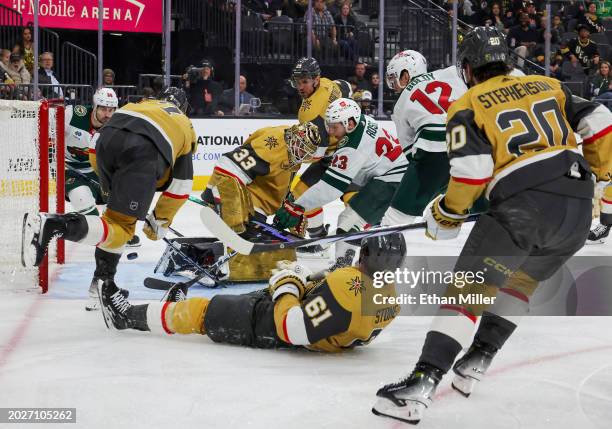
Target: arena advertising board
[
  {"x": 140, "y": 16},
  {"x": 218, "y": 136}
]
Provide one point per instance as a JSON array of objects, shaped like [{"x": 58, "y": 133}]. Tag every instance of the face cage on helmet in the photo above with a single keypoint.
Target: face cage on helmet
[{"x": 297, "y": 143}]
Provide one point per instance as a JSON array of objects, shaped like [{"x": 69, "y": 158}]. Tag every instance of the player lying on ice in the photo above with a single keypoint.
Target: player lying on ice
[
  {"x": 327, "y": 315},
  {"x": 511, "y": 137},
  {"x": 367, "y": 156},
  {"x": 252, "y": 181}
]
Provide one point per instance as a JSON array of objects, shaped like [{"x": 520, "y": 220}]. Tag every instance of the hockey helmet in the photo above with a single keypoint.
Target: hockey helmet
[
  {"x": 345, "y": 88},
  {"x": 482, "y": 46},
  {"x": 305, "y": 68},
  {"x": 175, "y": 96},
  {"x": 341, "y": 110},
  {"x": 105, "y": 97},
  {"x": 382, "y": 253},
  {"x": 411, "y": 61},
  {"x": 302, "y": 143}
]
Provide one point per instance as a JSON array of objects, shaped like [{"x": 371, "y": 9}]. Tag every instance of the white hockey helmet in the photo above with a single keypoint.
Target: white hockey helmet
[
  {"x": 105, "y": 97},
  {"x": 412, "y": 61},
  {"x": 341, "y": 110}
]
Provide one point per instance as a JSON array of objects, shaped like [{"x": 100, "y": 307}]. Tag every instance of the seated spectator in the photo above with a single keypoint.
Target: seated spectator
[
  {"x": 203, "y": 92},
  {"x": 601, "y": 85},
  {"x": 5, "y": 56},
  {"x": 323, "y": 28},
  {"x": 583, "y": 49},
  {"x": 589, "y": 18},
  {"x": 46, "y": 75},
  {"x": 227, "y": 98},
  {"x": 108, "y": 77},
  {"x": 359, "y": 77},
  {"x": 558, "y": 25},
  {"x": 17, "y": 70},
  {"x": 555, "y": 39},
  {"x": 374, "y": 83},
  {"x": 346, "y": 25},
  {"x": 523, "y": 38},
  {"x": 534, "y": 16},
  {"x": 497, "y": 18},
  {"x": 363, "y": 97},
  {"x": 25, "y": 48}
]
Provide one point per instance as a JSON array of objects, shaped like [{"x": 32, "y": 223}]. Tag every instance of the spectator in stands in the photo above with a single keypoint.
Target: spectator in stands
[
  {"x": 108, "y": 77},
  {"x": 227, "y": 98},
  {"x": 558, "y": 25},
  {"x": 375, "y": 83},
  {"x": 324, "y": 31},
  {"x": 360, "y": 76},
  {"x": 17, "y": 70},
  {"x": 204, "y": 92},
  {"x": 5, "y": 56},
  {"x": 601, "y": 85},
  {"x": 363, "y": 97},
  {"x": 534, "y": 16},
  {"x": 25, "y": 48},
  {"x": 497, "y": 19},
  {"x": 543, "y": 34},
  {"x": 590, "y": 19},
  {"x": 523, "y": 39},
  {"x": 346, "y": 29},
  {"x": 46, "y": 75},
  {"x": 583, "y": 49}
]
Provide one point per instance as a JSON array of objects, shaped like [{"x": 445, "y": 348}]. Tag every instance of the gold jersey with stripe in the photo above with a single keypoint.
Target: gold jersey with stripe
[
  {"x": 313, "y": 110},
  {"x": 512, "y": 133},
  {"x": 337, "y": 314},
  {"x": 261, "y": 164}
]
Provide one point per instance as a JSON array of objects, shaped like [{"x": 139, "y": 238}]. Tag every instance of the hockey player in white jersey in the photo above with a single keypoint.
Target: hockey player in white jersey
[
  {"x": 368, "y": 156},
  {"x": 420, "y": 120}
]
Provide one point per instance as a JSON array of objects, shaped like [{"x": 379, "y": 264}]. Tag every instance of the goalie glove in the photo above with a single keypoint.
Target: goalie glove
[
  {"x": 442, "y": 225},
  {"x": 289, "y": 277},
  {"x": 155, "y": 229}
]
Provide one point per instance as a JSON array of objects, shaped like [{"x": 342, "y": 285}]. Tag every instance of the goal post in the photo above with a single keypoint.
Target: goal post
[{"x": 31, "y": 180}]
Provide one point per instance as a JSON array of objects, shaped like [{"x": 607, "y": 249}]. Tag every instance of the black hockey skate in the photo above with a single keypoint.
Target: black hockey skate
[
  {"x": 134, "y": 242},
  {"x": 114, "y": 306},
  {"x": 407, "y": 400},
  {"x": 176, "y": 293},
  {"x": 472, "y": 367},
  {"x": 93, "y": 304},
  {"x": 39, "y": 229},
  {"x": 599, "y": 234}
]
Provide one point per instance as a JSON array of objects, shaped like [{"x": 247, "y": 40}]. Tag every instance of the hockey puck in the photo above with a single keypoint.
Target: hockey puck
[{"x": 132, "y": 255}]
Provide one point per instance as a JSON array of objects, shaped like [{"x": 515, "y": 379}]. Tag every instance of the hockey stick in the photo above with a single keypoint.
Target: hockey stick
[{"x": 217, "y": 226}]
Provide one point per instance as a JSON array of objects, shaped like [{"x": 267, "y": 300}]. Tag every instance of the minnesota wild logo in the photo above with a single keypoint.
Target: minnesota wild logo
[
  {"x": 356, "y": 285},
  {"x": 80, "y": 110}
]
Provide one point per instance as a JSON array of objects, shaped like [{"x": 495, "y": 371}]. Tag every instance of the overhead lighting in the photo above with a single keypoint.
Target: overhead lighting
[{"x": 116, "y": 34}]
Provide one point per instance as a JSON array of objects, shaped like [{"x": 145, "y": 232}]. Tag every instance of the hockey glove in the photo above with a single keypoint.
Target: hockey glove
[
  {"x": 288, "y": 277},
  {"x": 155, "y": 229},
  {"x": 290, "y": 215},
  {"x": 442, "y": 225}
]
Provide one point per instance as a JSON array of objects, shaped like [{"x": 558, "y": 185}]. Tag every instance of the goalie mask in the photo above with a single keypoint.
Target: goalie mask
[
  {"x": 302, "y": 143},
  {"x": 382, "y": 253},
  {"x": 411, "y": 61}
]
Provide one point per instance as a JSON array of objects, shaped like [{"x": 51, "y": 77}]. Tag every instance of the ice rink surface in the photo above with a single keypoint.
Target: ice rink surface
[{"x": 555, "y": 372}]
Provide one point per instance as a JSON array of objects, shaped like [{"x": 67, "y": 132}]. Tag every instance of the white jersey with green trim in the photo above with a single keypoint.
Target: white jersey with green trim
[
  {"x": 420, "y": 112},
  {"x": 368, "y": 152},
  {"x": 78, "y": 134}
]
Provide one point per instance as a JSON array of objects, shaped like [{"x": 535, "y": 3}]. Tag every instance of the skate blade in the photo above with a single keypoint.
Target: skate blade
[
  {"x": 108, "y": 320},
  {"x": 464, "y": 385},
  {"x": 31, "y": 223},
  {"x": 411, "y": 413},
  {"x": 595, "y": 242}
]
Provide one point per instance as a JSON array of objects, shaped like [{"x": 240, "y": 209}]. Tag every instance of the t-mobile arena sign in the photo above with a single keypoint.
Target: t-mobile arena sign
[{"x": 142, "y": 16}]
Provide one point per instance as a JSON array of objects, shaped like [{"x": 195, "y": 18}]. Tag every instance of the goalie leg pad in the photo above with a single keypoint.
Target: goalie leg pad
[
  {"x": 235, "y": 200},
  {"x": 246, "y": 320},
  {"x": 258, "y": 266}
]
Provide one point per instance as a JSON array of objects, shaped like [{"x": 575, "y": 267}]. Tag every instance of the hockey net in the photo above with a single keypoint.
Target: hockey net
[{"x": 31, "y": 180}]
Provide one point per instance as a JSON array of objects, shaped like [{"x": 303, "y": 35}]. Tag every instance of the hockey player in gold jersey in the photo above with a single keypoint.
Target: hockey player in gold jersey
[
  {"x": 317, "y": 93},
  {"x": 327, "y": 316},
  {"x": 511, "y": 138},
  {"x": 144, "y": 148},
  {"x": 253, "y": 180}
]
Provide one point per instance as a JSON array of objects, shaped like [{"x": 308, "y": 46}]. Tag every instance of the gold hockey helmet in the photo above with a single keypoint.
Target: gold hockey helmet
[{"x": 302, "y": 143}]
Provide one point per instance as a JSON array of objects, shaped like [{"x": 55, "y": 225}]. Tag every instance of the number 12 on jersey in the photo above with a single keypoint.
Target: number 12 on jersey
[{"x": 439, "y": 106}]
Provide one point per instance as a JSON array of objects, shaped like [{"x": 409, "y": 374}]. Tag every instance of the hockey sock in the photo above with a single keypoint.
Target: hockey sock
[
  {"x": 439, "y": 351},
  {"x": 494, "y": 330}
]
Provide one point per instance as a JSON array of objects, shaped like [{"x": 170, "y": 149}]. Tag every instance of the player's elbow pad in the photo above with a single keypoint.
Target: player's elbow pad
[{"x": 294, "y": 329}]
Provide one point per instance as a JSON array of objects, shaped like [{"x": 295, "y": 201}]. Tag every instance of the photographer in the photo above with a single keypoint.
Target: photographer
[{"x": 203, "y": 92}]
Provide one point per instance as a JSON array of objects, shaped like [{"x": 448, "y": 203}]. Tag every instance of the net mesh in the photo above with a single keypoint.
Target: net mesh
[{"x": 20, "y": 185}]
